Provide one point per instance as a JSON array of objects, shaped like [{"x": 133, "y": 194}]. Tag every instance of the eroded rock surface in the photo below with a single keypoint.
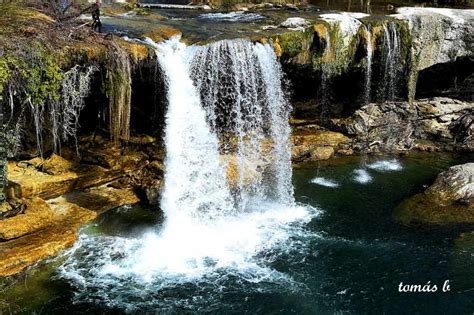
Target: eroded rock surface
[{"x": 402, "y": 126}]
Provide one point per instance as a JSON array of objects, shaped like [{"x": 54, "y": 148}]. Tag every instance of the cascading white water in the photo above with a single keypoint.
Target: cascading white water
[
  {"x": 392, "y": 60},
  {"x": 207, "y": 235},
  {"x": 240, "y": 85},
  {"x": 281, "y": 188},
  {"x": 368, "y": 71},
  {"x": 194, "y": 179}
]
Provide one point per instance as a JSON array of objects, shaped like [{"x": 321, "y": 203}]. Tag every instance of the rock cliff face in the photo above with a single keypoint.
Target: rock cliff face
[
  {"x": 450, "y": 200},
  {"x": 427, "y": 124},
  {"x": 337, "y": 50},
  {"x": 438, "y": 36},
  {"x": 394, "y": 84}
]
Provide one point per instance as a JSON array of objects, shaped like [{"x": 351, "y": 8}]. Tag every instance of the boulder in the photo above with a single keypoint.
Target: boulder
[
  {"x": 314, "y": 145},
  {"x": 450, "y": 200},
  {"x": 322, "y": 153},
  {"x": 56, "y": 165},
  {"x": 454, "y": 185}
]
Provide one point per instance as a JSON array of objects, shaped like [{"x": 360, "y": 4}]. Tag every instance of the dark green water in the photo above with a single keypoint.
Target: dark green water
[{"x": 349, "y": 259}]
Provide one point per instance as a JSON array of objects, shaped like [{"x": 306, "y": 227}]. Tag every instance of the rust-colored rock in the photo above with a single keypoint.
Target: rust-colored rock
[
  {"x": 29, "y": 182},
  {"x": 322, "y": 153},
  {"x": 37, "y": 216},
  {"x": 56, "y": 165},
  {"x": 314, "y": 145},
  {"x": 65, "y": 215}
]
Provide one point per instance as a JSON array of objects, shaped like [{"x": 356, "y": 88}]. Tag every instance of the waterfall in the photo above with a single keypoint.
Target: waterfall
[
  {"x": 194, "y": 179},
  {"x": 224, "y": 99},
  {"x": 391, "y": 58},
  {"x": 368, "y": 71},
  {"x": 240, "y": 86}
]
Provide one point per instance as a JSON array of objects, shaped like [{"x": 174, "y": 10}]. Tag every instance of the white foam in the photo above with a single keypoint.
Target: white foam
[
  {"x": 236, "y": 16},
  {"x": 361, "y": 176},
  {"x": 386, "y": 165},
  {"x": 325, "y": 182},
  {"x": 188, "y": 253}
]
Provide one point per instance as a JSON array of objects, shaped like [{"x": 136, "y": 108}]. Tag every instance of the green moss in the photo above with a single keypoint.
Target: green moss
[
  {"x": 43, "y": 76},
  {"x": 4, "y": 73},
  {"x": 295, "y": 43}
]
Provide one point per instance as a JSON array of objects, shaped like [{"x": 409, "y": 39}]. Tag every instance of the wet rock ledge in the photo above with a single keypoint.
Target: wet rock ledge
[{"x": 49, "y": 200}]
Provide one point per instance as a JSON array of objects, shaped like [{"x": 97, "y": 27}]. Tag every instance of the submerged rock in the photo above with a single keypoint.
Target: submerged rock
[
  {"x": 450, "y": 200},
  {"x": 455, "y": 185}
]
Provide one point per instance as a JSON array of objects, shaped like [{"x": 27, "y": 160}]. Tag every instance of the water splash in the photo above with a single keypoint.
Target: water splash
[
  {"x": 386, "y": 165},
  {"x": 361, "y": 176},
  {"x": 326, "y": 182}
]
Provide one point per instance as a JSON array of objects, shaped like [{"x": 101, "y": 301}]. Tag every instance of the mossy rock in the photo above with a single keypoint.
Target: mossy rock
[
  {"x": 422, "y": 209},
  {"x": 450, "y": 200},
  {"x": 296, "y": 45}
]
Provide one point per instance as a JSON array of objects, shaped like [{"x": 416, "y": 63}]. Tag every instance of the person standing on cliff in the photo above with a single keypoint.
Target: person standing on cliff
[{"x": 95, "y": 10}]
